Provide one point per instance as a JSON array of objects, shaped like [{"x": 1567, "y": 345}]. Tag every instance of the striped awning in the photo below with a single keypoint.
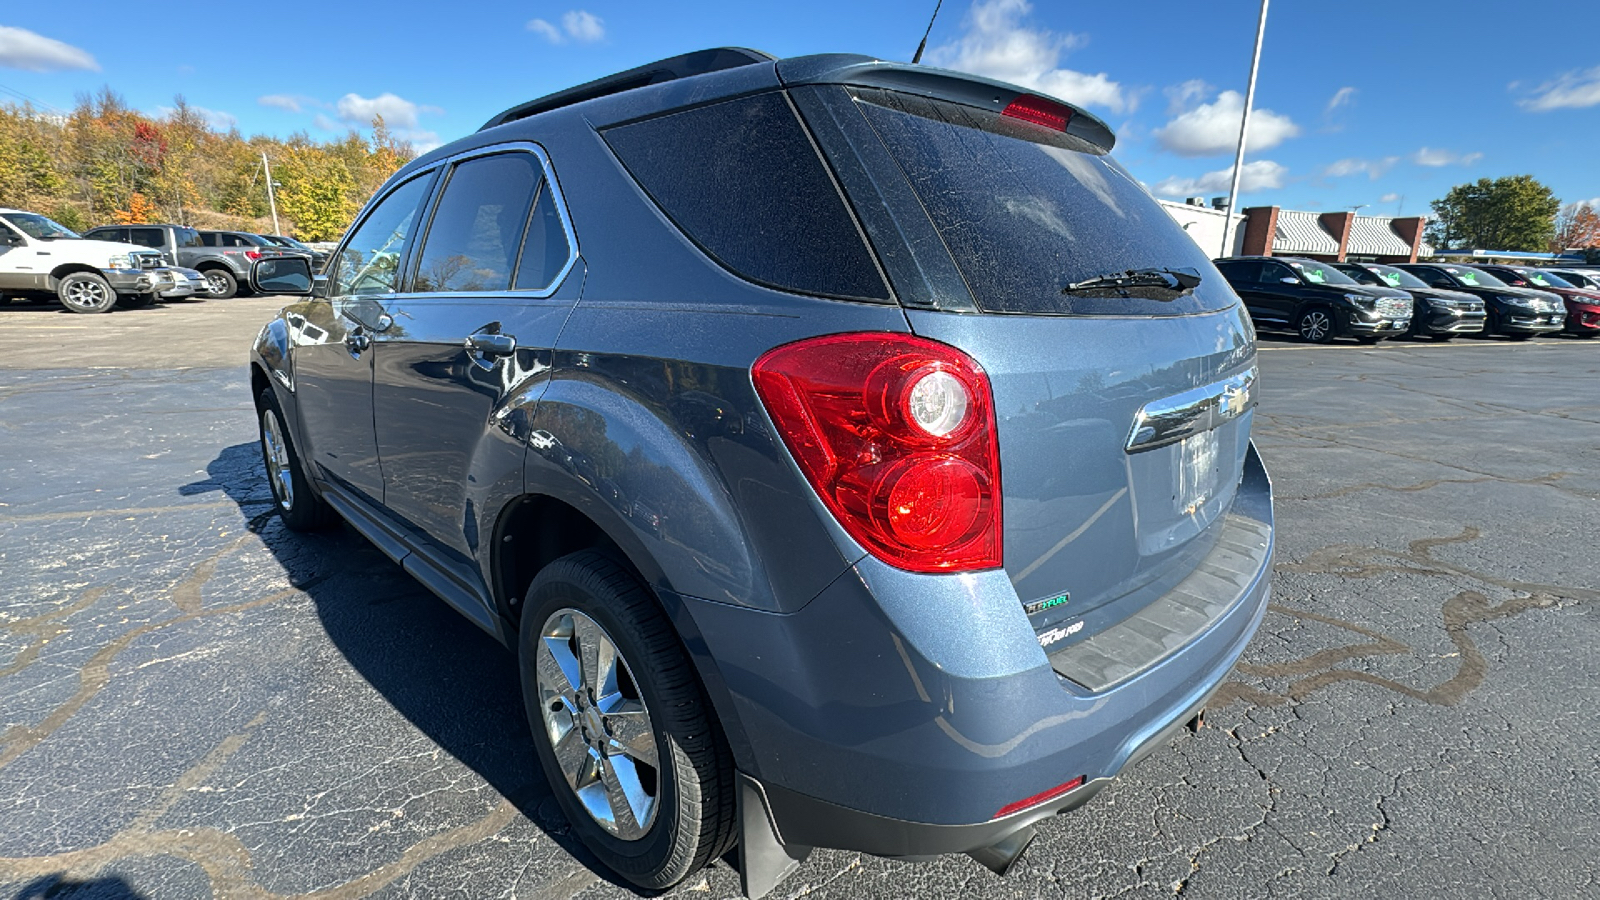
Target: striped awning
[
  {"x": 1371, "y": 236},
  {"x": 1424, "y": 250},
  {"x": 1301, "y": 232}
]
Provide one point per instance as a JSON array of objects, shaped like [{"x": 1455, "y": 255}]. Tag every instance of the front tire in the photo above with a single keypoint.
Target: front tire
[
  {"x": 298, "y": 505},
  {"x": 1316, "y": 325},
  {"x": 621, "y": 724},
  {"x": 86, "y": 292},
  {"x": 222, "y": 284}
]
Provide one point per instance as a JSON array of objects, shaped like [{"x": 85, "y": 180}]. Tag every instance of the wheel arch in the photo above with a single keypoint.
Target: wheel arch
[{"x": 65, "y": 269}]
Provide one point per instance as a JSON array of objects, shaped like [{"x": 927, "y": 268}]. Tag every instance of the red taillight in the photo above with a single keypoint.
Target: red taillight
[
  {"x": 896, "y": 434},
  {"x": 1037, "y": 799},
  {"x": 252, "y": 254},
  {"x": 1039, "y": 111}
]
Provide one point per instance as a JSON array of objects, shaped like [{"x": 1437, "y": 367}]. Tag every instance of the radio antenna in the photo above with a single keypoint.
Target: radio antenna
[{"x": 917, "y": 57}]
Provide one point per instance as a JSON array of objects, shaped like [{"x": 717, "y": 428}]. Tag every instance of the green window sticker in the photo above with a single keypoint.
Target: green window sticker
[
  {"x": 1539, "y": 280},
  {"x": 1466, "y": 276},
  {"x": 1314, "y": 276},
  {"x": 1391, "y": 279}
]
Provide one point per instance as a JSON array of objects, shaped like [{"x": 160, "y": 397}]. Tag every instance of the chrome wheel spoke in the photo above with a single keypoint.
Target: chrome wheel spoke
[
  {"x": 633, "y": 736},
  {"x": 558, "y": 667},
  {"x": 597, "y": 658},
  {"x": 624, "y": 795},
  {"x": 575, "y": 759}
]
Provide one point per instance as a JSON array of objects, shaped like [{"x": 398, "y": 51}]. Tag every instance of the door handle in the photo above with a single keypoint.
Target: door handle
[
  {"x": 492, "y": 344},
  {"x": 357, "y": 342}
]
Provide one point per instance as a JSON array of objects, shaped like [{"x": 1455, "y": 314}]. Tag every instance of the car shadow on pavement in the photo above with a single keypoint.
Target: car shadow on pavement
[
  {"x": 451, "y": 680},
  {"x": 60, "y": 887}
]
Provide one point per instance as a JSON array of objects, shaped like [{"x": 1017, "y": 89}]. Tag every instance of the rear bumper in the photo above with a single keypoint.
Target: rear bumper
[{"x": 895, "y": 721}]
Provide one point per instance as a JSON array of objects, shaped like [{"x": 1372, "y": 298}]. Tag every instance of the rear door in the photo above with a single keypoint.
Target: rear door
[{"x": 490, "y": 290}]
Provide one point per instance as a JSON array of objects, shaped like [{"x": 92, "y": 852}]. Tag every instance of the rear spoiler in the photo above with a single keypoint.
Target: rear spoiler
[{"x": 936, "y": 84}]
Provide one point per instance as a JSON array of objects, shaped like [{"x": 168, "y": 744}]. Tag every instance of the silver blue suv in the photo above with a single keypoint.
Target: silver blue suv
[{"x": 853, "y": 454}]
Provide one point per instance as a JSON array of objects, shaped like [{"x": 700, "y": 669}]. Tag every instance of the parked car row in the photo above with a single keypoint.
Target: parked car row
[
  {"x": 1322, "y": 301},
  {"x": 129, "y": 265}
]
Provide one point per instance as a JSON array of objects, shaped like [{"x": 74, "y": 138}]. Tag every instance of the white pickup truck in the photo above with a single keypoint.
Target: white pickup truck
[{"x": 41, "y": 258}]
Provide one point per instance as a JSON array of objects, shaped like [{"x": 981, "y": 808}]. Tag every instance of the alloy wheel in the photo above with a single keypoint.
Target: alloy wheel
[
  {"x": 1315, "y": 326},
  {"x": 276, "y": 451},
  {"x": 216, "y": 283},
  {"x": 85, "y": 295},
  {"x": 598, "y": 724}
]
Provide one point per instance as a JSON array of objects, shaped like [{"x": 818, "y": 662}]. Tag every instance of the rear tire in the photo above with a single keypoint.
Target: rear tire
[
  {"x": 86, "y": 292},
  {"x": 298, "y": 505},
  {"x": 638, "y": 743},
  {"x": 222, "y": 283}
]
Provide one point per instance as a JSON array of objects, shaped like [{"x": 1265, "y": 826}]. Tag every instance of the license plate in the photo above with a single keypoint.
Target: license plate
[{"x": 1195, "y": 471}]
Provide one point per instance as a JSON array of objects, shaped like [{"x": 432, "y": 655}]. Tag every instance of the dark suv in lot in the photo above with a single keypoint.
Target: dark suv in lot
[
  {"x": 1438, "y": 313},
  {"x": 853, "y": 454},
  {"x": 1514, "y": 312},
  {"x": 1315, "y": 300},
  {"x": 1583, "y": 304}
]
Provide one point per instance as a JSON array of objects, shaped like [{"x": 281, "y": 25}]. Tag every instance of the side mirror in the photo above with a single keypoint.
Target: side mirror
[
  {"x": 281, "y": 275},
  {"x": 1289, "y": 279}
]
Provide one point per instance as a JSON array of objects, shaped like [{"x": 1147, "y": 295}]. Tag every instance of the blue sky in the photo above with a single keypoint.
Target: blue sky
[{"x": 1387, "y": 104}]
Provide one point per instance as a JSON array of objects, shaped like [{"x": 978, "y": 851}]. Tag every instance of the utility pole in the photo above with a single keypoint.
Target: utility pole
[
  {"x": 272, "y": 199},
  {"x": 1244, "y": 128}
]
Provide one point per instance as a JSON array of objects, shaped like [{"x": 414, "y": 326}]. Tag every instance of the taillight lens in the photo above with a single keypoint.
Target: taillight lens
[
  {"x": 252, "y": 254},
  {"x": 1044, "y": 113},
  {"x": 1042, "y": 797},
  {"x": 896, "y": 434}
]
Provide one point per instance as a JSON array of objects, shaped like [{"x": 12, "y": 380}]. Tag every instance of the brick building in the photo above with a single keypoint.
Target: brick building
[{"x": 1332, "y": 236}]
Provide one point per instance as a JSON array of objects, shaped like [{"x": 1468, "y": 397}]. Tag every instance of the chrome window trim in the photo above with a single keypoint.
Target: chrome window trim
[{"x": 549, "y": 174}]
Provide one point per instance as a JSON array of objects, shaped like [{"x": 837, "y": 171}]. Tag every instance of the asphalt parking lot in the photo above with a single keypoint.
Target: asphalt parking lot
[{"x": 196, "y": 702}]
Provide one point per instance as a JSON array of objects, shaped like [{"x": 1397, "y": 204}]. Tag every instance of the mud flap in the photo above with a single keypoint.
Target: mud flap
[{"x": 764, "y": 859}]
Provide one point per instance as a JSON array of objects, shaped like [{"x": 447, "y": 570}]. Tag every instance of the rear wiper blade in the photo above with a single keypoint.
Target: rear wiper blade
[{"x": 1178, "y": 281}]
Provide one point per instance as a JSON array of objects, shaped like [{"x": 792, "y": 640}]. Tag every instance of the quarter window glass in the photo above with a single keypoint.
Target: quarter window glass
[
  {"x": 369, "y": 260},
  {"x": 210, "y": 240},
  {"x": 145, "y": 237},
  {"x": 741, "y": 179},
  {"x": 545, "y": 250},
  {"x": 473, "y": 239}
]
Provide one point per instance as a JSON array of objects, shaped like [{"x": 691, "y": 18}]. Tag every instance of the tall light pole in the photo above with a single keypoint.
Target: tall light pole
[
  {"x": 1244, "y": 129},
  {"x": 272, "y": 198}
]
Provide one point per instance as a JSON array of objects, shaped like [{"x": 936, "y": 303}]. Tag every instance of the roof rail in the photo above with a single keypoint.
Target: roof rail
[{"x": 689, "y": 64}]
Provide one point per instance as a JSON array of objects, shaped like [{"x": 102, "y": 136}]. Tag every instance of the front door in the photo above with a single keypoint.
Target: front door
[
  {"x": 1280, "y": 292},
  {"x": 333, "y": 353},
  {"x": 489, "y": 295}
]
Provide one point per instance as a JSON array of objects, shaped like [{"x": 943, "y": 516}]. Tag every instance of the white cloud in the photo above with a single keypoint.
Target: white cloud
[
  {"x": 1341, "y": 97},
  {"x": 1260, "y": 175},
  {"x": 286, "y": 102},
  {"x": 1213, "y": 128},
  {"x": 995, "y": 44},
  {"x": 576, "y": 24},
  {"x": 22, "y": 49},
  {"x": 397, "y": 112},
  {"x": 1389, "y": 198},
  {"x": 1436, "y": 158},
  {"x": 1372, "y": 168},
  {"x": 325, "y": 123},
  {"x": 1181, "y": 97},
  {"x": 1572, "y": 90}
]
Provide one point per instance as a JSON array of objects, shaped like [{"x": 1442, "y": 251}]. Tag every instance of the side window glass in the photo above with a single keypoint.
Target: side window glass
[
  {"x": 209, "y": 240},
  {"x": 475, "y": 232},
  {"x": 186, "y": 237},
  {"x": 369, "y": 261},
  {"x": 1433, "y": 277},
  {"x": 1273, "y": 272},
  {"x": 145, "y": 237},
  {"x": 545, "y": 251}
]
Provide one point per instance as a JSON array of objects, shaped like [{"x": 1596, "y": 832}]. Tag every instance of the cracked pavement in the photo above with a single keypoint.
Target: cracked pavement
[{"x": 195, "y": 702}]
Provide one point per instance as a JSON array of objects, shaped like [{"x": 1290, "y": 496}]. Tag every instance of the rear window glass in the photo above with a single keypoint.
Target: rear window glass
[
  {"x": 1025, "y": 218},
  {"x": 741, "y": 179}
]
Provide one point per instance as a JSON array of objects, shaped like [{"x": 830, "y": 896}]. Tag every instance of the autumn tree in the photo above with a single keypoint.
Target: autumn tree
[
  {"x": 1513, "y": 213},
  {"x": 1577, "y": 227}
]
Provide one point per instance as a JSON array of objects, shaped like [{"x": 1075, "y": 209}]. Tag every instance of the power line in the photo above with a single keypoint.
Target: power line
[{"x": 32, "y": 100}]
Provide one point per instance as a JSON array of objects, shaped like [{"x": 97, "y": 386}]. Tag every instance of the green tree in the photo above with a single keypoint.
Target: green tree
[
  {"x": 1512, "y": 213},
  {"x": 317, "y": 192}
]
